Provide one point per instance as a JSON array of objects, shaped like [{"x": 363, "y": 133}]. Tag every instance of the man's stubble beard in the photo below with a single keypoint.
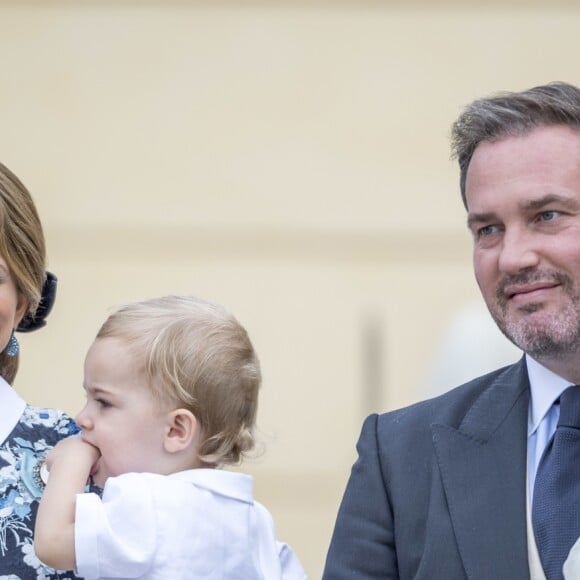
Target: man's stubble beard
[{"x": 541, "y": 334}]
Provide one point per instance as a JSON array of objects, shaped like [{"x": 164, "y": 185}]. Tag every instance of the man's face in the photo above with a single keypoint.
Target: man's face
[{"x": 523, "y": 199}]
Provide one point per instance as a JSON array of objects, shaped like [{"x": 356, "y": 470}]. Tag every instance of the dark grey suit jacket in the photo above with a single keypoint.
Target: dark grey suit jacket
[{"x": 438, "y": 491}]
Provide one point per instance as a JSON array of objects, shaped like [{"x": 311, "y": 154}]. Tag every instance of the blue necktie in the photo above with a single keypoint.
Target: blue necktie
[{"x": 556, "y": 502}]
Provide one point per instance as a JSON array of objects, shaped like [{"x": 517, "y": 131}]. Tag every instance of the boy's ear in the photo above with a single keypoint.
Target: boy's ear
[{"x": 181, "y": 430}]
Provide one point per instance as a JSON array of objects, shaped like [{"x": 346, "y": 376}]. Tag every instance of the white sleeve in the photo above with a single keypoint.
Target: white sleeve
[
  {"x": 291, "y": 566},
  {"x": 115, "y": 537},
  {"x": 572, "y": 563},
  {"x": 277, "y": 560}
]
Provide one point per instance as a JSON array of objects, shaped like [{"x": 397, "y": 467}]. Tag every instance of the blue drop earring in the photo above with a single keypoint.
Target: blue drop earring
[{"x": 13, "y": 348}]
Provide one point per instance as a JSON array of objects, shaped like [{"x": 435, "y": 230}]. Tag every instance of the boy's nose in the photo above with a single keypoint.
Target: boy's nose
[{"x": 82, "y": 419}]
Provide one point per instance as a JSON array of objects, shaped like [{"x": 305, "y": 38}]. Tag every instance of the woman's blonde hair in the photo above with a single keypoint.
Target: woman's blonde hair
[
  {"x": 23, "y": 249},
  {"x": 196, "y": 355}
]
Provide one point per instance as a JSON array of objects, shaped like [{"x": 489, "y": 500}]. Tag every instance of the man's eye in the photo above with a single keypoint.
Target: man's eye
[
  {"x": 547, "y": 216},
  {"x": 486, "y": 231}
]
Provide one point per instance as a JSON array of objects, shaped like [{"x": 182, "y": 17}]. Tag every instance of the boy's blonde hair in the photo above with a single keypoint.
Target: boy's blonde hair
[{"x": 196, "y": 355}]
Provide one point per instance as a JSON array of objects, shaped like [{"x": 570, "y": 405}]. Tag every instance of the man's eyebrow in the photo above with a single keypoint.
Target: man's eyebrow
[
  {"x": 529, "y": 205},
  {"x": 477, "y": 218},
  {"x": 548, "y": 199}
]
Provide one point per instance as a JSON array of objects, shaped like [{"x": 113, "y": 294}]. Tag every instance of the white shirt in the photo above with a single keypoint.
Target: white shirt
[
  {"x": 572, "y": 564},
  {"x": 11, "y": 409},
  {"x": 546, "y": 387},
  {"x": 201, "y": 523}
]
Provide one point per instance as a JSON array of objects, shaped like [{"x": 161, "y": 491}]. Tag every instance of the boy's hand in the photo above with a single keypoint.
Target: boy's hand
[
  {"x": 69, "y": 465},
  {"x": 72, "y": 452}
]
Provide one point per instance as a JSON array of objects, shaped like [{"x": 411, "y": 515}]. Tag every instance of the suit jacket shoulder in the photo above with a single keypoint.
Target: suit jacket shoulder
[
  {"x": 477, "y": 407},
  {"x": 438, "y": 490}
]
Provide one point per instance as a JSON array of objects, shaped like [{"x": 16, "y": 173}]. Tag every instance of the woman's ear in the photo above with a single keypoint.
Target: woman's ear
[
  {"x": 21, "y": 308},
  {"x": 181, "y": 431}
]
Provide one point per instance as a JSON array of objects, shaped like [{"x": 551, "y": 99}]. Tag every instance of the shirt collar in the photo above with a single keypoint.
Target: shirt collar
[
  {"x": 11, "y": 409},
  {"x": 227, "y": 483},
  {"x": 545, "y": 388}
]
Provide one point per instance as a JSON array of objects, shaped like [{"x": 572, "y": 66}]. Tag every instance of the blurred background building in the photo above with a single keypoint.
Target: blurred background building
[{"x": 289, "y": 159}]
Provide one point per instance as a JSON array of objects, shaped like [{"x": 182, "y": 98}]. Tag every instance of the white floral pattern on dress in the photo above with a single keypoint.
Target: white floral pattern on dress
[{"x": 21, "y": 455}]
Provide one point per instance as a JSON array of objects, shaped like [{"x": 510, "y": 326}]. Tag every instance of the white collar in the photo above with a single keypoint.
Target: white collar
[
  {"x": 11, "y": 409},
  {"x": 545, "y": 387},
  {"x": 227, "y": 483}
]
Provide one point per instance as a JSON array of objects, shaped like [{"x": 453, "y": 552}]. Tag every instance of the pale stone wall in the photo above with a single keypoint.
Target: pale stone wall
[{"x": 289, "y": 160}]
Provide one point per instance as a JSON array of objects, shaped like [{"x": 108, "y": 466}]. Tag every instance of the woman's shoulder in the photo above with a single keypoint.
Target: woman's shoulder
[
  {"x": 46, "y": 416},
  {"x": 42, "y": 427},
  {"x": 48, "y": 419},
  {"x": 37, "y": 431},
  {"x": 21, "y": 484}
]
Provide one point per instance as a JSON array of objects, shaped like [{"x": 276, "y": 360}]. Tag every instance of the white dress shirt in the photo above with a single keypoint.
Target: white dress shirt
[
  {"x": 201, "y": 523},
  {"x": 546, "y": 388},
  {"x": 11, "y": 409}
]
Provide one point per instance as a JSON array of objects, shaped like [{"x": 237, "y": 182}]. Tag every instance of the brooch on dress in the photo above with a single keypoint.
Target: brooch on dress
[
  {"x": 33, "y": 473},
  {"x": 40, "y": 474}
]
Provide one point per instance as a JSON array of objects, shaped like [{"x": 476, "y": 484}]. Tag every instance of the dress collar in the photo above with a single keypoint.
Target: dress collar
[
  {"x": 545, "y": 387},
  {"x": 11, "y": 409}
]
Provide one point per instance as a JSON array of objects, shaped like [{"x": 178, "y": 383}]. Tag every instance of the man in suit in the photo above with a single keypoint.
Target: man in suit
[{"x": 444, "y": 489}]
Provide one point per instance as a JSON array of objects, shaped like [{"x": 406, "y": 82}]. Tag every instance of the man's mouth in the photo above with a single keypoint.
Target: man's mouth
[{"x": 535, "y": 291}]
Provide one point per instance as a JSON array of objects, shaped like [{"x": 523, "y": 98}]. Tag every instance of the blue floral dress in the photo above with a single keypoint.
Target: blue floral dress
[{"x": 21, "y": 456}]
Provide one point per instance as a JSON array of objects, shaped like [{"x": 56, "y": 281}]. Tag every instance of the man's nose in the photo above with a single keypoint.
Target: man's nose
[{"x": 518, "y": 252}]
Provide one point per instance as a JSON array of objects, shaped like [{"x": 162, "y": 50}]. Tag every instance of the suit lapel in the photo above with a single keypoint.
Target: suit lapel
[{"x": 483, "y": 469}]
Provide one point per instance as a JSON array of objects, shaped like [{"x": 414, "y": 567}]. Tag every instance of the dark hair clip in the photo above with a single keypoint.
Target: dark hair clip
[{"x": 48, "y": 295}]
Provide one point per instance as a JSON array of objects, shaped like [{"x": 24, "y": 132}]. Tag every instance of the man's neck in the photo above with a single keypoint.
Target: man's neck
[{"x": 567, "y": 367}]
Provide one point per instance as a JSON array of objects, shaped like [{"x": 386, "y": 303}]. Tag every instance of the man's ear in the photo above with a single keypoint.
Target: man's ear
[{"x": 181, "y": 430}]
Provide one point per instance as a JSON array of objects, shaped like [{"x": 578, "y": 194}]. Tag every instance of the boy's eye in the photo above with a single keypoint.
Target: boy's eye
[{"x": 103, "y": 403}]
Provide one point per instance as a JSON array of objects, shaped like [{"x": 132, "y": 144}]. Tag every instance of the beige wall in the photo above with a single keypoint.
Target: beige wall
[{"x": 288, "y": 160}]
